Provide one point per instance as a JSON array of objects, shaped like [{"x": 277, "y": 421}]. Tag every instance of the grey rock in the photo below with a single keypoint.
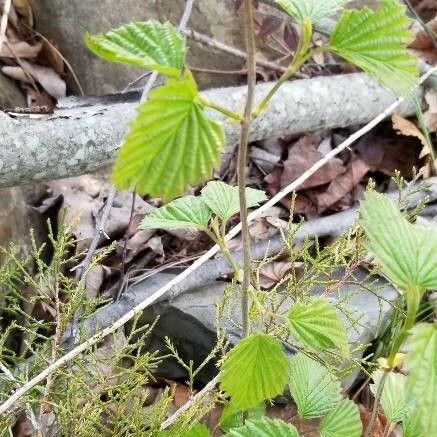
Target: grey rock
[{"x": 189, "y": 320}]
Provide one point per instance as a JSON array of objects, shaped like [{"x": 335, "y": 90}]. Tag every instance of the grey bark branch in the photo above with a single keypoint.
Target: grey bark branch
[{"x": 83, "y": 135}]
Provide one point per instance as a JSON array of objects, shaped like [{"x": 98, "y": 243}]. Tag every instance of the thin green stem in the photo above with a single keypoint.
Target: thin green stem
[
  {"x": 301, "y": 57},
  {"x": 219, "y": 240},
  {"x": 242, "y": 160},
  {"x": 413, "y": 294},
  {"x": 232, "y": 115}
]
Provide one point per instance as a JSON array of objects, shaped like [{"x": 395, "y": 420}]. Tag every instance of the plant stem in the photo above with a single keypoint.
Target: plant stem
[
  {"x": 232, "y": 115},
  {"x": 242, "y": 159},
  {"x": 302, "y": 55},
  {"x": 413, "y": 294}
]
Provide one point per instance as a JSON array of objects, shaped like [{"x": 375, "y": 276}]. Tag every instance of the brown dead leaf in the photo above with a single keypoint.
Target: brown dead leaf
[
  {"x": 48, "y": 79},
  {"x": 270, "y": 274},
  {"x": 342, "y": 185},
  {"x": 409, "y": 129},
  {"x": 24, "y": 8},
  {"x": 430, "y": 115},
  {"x": 389, "y": 154},
  {"x": 302, "y": 155},
  {"x": 20, "y": 49},
  {"x": 379, "y": 425},
  {"x": 423, "y": 44},
  {"x": 95, "y": 278},
  {"x": 52, "y": 56},
  {"x": 181, "y": 394}
]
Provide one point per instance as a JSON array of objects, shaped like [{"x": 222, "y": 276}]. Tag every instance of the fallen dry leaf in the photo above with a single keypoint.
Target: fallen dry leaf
[
  {"x": 270, "y": 274},
  {"x": 20, "y": 49},
  {"x": 52, "y": 56},
  {"x": 430, "y": 115},
  {"x": 423, "y": 44},
  {"x": 48, "y": 79},
  {"x": 409, "y": 129},
  {"x": 24, "y": 8},
  {"x": 389, "y": 154},
  {"x": 95, "y": 278},
  {"x": 342, "y": 185},
  {"x": 301, "y": 156}
]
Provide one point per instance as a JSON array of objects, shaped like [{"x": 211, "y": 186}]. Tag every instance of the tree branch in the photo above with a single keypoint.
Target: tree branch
[{"x": 84, "y": 134}]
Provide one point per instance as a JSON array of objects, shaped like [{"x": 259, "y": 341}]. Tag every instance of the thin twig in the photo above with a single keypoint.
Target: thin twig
[
  {"x": 208, "y": 387},
  {"x": 209, "y": 254},
  {"x": 242, "y": 161},
  {"x": 123, "y": 256},
  {"x": 69, "y": 67},
  {"x": 27, "y": 408},
  {"x": 4, "y": 22},
  {"x": 206, "y": 40}
]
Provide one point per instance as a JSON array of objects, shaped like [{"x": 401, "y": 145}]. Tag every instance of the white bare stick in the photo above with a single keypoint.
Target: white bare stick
[
  {"x": 4, "y": 22},
  {"x": 205, "y": 257},
  {"x": 208, "y": 387}
]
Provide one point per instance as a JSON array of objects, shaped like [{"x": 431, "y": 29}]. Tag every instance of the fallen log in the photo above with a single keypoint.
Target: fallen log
[{"x": 83, "y": 135}]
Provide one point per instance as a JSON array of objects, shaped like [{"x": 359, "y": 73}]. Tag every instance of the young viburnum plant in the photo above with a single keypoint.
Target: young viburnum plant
[
  {"x": 407, "y": 255},
  {"x": 173, "y": 144}
]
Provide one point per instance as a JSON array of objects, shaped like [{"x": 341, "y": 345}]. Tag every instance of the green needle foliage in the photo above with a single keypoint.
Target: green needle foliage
[
  {"x": 172, "y": 143},
  {"x": 256, "y": 370},
  {"x": 376, "y": 41},
  {"x": 149, "y": 45}
]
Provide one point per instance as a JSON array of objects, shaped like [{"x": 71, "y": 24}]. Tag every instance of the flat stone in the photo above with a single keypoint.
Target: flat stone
[{"x": 189, "y": 320}]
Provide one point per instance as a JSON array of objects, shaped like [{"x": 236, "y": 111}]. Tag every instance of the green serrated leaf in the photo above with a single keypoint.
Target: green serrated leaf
[
  {"x": 421, "y": 388},
  {"x": 223, "y": 199},
  {"x": 376, "y": 41},
  {"x": 149, "y": 45},
  {"x": 172, "y": 143},
  {"x": 186, "y": 212},
  {"x": 232, "y": 417},
  {"x": 198, "y": 430},
  {"x": 343, "y": 421},
  {"x": 255, "y": 370},
  {"x": 407, "y": 253},
  {"x": 317, "y": 326},
  {"x": 315, "y": 10},
  {"x": 393, "y": 398},
  {"x": 313, "y": 388},
  {"x": 264, "y": 427}
]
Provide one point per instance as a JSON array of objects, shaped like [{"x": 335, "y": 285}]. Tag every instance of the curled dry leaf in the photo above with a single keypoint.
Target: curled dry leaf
[
  {"x": 430, "y": 115},
  {"x": 95, "y": 278},
  {"x": 408, "y": 128},
  {"x": 342, "y": 185},
  {"x": 389, "y": 154},
  {"x": 24, "y": 8},
  {"x": 302, "y": 155},
  {"x": 48, "y": 78},
  {"x": 20, "y": 49},
  {"x": 270, "y": 274},
  {"x": 424, "y": 45}
]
